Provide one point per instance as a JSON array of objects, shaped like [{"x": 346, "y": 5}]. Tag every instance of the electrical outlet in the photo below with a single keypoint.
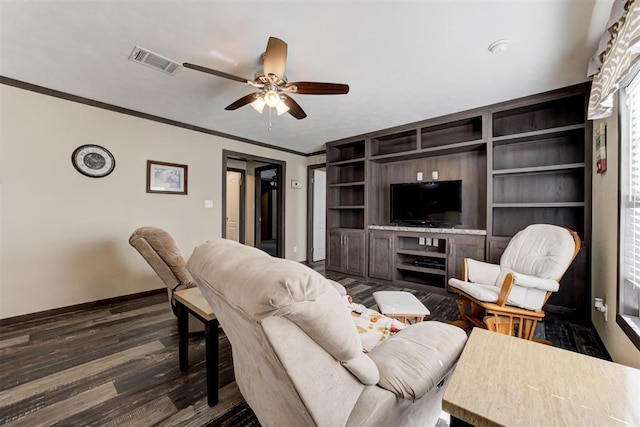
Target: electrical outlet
[{"x": 295, "y": 249}]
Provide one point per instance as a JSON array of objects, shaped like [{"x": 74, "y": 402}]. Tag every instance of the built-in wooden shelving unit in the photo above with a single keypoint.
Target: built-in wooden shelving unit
[{"x": 521, "y": 162}]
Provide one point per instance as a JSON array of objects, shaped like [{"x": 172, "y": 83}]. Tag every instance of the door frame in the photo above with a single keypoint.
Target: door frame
[
  {"x": 228, "y": 154},
  {"x": 258, "y": 201},
  {"x": 310, "y": 195},
  {"x": 243, "y": 203}
]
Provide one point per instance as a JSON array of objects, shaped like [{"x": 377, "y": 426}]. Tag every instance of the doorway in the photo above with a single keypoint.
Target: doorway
[
  {"x": 235, "y": 207},
  {"x": 267, "y": 192},
  {"x": 262, "y": 201},
  {"x": 316, "y": 203}
]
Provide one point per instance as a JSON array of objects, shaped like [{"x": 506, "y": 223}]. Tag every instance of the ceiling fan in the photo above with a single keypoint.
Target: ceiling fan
[{"x": 273, "y": 84}]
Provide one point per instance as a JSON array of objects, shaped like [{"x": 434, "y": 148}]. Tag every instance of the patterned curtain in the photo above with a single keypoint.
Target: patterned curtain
[{"x": 619, "y": 51}]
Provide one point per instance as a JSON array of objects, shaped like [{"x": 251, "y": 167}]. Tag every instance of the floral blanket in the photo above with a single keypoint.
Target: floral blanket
[{"x": 372, "y": 326}]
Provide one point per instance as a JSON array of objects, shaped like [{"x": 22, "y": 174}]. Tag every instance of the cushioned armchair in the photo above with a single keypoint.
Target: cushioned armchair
[
  {"x": 298, "y": 359},
  {"x": 160, "y": 251},
  {"x": 508, "y": 298}
]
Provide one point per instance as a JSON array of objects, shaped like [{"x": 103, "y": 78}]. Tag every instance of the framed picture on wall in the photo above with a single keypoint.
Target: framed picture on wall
[{"x": 166, "y": 178}]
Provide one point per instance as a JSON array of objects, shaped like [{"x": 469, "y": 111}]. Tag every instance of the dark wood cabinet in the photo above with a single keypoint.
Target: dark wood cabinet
[
  {"x": 346, "y": 252},
  {"x": 381, "y": 256},
  {"x": 461, "y": 247}
]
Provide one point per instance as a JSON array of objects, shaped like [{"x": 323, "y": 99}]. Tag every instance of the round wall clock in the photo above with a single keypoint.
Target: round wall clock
[{"x": 93, "y": 160}]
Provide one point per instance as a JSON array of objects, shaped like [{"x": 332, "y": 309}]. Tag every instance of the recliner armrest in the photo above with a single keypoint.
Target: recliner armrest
[
  {"x": 417, "y": 358},
  {"x": 527, "y": 281}
]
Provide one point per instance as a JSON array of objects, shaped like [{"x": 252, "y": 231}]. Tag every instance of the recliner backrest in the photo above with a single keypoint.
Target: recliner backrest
[
  {"x": 301, "y": 294},
  {"x": 159, "y": 249}
]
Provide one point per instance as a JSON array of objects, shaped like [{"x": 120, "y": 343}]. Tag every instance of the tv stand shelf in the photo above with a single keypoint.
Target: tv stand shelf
[
  {"x": 421, "y": 259},
  {"x": 421, "y": 253}
]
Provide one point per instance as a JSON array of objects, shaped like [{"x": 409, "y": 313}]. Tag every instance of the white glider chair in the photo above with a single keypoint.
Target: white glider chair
[{"x": 508, "y": 298}]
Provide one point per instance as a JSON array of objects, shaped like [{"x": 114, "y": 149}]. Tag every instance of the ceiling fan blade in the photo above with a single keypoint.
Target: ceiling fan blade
[
  {"x": 247, "y": 99},
  {"x": 314, "y": 88},
  {"x": 275, "y": 57},
  {"x": 215, "y": 72},
  {"x": 294, "y": 109}
]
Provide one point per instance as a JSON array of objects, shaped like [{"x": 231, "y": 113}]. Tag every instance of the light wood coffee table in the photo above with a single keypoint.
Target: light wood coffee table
[{"x": 507, "y": 381}]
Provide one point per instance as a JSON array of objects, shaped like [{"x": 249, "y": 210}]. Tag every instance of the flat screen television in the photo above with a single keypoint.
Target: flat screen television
[{"x": 427, "y": 204}]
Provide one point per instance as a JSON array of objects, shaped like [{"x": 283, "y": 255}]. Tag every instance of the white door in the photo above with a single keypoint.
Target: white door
[
  {"x": 233, "y": 205},
  {"x": 319, "y": 213}
]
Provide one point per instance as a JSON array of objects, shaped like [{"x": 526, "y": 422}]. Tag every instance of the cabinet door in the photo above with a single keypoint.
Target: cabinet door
[
  {"x": 353, "y": 251},
  {"x": 380, "y": 256},
  {"x": 461, "y": 247},
  {"x": 334, "y": 251}
]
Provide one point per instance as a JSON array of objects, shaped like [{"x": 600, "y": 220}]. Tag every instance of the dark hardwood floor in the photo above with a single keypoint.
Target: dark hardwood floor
[{"x": 118, "y": 365}]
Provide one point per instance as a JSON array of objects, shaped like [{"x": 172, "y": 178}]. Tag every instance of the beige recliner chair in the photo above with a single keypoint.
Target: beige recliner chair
[
  {"x": 159, "y": 249},
  {"x": 297, "y": 355}
]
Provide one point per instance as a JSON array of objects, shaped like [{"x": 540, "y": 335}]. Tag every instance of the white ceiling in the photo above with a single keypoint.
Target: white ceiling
[{"x": 404, "y": 61}]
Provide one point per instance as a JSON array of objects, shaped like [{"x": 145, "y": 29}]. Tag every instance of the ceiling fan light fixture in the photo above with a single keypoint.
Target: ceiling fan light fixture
[
  {"x": 282, "y": 108},
  {"x": 271, "y": 98},
  {"x": 258, "y": 104}
]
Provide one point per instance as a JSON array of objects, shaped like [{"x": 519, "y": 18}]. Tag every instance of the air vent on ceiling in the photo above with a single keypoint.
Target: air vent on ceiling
[{"x": 153, "y": 60}]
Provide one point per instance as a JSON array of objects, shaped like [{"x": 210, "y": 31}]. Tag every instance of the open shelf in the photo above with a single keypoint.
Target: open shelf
[
  {"x": 346, "y": 195},
  {"x": 394, "y": 143},
  {"x": 346, "y": 152},
  {"x": 538, "y": 135},
  {"x": 422, "y": 253},
  {"x": 559, "y": 186},
  {"x": 349, "y": 173},
  {"x": 556, "y": 113},
  {"x": 547, "y": 149},
  {"x": 539, "y": 169},
  {"x": 444, "y": 150},
  {"x": 425, "y": 270},
  {"x": 345, "y": 217},
  {"x": 509, "y": 219},
  {"x": 455, "y": 132},
  {"x": 420, "y": 277}
]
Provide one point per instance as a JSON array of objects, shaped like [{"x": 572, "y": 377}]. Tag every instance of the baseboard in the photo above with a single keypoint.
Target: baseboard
[{"x": 70, "y": 308}]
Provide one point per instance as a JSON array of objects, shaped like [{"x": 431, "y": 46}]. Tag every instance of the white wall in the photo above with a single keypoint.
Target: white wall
[
  {"x": 64, "y": 236},
  {"x": 604, "y": 252}
]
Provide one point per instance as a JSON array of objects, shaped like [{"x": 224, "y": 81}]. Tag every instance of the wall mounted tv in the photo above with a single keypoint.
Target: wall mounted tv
[{"x": 427, "y": 204}]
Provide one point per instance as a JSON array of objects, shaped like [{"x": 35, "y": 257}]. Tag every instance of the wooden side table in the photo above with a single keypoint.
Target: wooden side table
[
  {"x": 192, "y": 301},
  {"x": 400, "y": 305},
  {"x": 507, "y": 381}
]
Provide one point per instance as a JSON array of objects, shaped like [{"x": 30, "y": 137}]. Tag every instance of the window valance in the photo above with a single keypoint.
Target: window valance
[{"x": 619, "y": 50}]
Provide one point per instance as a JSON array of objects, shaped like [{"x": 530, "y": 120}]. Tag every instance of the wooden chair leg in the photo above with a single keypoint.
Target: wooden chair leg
[
  {"x": 500, "y": 324},
  {"x": 490, "y": 321},
  {"x": 462, "y": 305}
]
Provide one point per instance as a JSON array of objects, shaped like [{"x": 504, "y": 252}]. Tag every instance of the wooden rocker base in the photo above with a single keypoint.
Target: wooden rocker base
[{"x": 505, "y": 320}]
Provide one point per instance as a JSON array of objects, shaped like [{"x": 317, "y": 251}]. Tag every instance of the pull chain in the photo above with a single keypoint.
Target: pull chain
[{"x": 269, "y": 128}]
